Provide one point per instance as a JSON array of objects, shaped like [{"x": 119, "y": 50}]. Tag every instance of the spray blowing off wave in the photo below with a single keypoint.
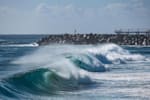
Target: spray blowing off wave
[
  {"x": 91, "y": 58},
  {"x": 112, "y": 53},
  {"x": 61, "y": 68},
  {"x": 51, "y": 55}
]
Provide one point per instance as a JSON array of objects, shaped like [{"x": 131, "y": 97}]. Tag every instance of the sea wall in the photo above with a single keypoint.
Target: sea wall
[{"x": 120, "y": 39}]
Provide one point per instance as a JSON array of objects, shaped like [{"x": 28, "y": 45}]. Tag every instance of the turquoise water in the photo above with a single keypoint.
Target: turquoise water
[{"x": 71, "y": 72}]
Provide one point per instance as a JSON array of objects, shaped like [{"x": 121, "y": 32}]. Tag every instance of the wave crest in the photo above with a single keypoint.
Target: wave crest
[
  {"x": 62, "y": 68},
  {"x": 112, "y": 53}
]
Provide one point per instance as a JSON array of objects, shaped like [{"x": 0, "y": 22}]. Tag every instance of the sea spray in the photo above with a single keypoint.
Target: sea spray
[
  {"x": 91, "y": 58},
  {"x": 113, "y": 53},
  {"x": 81, "y": 58},
  {"x": 59, "y": 68}
]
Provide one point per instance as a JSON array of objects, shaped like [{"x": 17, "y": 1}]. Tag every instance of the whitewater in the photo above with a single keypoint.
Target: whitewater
[{"x": 83, "y": 72}]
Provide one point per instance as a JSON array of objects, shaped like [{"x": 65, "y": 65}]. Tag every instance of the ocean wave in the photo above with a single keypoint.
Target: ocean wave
[
  {"x": 87, "y": 62},
  {"x": 92, "y": 59},
  {"x": 55, "y": 68},
  {"x": 41, "y": 81},
  {"x": 5, "y": 42},
  {"x": 112, "y": 53},
  {"x": 19, "y": 45}
]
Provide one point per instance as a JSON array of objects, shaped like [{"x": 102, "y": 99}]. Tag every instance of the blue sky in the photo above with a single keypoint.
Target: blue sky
[{"x": 60, "y": 16}]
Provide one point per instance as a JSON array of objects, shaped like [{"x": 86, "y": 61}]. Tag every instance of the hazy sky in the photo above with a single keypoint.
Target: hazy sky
[{"x": 59, "y": 16}]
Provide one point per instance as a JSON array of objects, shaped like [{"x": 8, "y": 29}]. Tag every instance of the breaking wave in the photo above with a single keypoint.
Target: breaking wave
[
  {"x": 55, "y": 68},
  {"x": 19, "y": 45}
]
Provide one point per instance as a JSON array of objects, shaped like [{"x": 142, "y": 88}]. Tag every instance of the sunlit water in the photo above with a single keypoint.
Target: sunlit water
[{"x": 72, "y": 72}]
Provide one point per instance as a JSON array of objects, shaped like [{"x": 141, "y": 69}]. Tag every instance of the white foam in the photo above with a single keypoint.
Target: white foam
[
  {"x": 141, "y": 76},
  {"x": 54, "y": 58},
  {"x": 115, "y": 53},
  {"x": 20, "y": 45}
]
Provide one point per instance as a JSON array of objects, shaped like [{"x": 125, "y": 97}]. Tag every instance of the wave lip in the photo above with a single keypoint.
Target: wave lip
[{"x": 41, "y": 81}]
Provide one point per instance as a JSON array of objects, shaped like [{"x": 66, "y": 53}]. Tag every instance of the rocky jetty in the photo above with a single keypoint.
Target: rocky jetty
[{"x": 120, "y": 39}]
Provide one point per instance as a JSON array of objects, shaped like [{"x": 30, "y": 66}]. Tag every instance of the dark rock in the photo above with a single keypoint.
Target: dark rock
[{"x": 120, "y": 39}]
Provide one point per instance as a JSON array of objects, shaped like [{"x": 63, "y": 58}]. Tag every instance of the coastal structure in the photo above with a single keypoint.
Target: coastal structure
[
  {"x": 122, "y": 37},
  {"x": 132, "y": 31}
]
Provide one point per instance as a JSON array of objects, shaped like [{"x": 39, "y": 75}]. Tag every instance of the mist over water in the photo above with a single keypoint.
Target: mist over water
[{"x": 104, "y": 71}]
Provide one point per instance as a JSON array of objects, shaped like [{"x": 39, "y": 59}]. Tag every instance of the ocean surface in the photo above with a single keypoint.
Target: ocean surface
[{"x": 72, "y": 72}]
